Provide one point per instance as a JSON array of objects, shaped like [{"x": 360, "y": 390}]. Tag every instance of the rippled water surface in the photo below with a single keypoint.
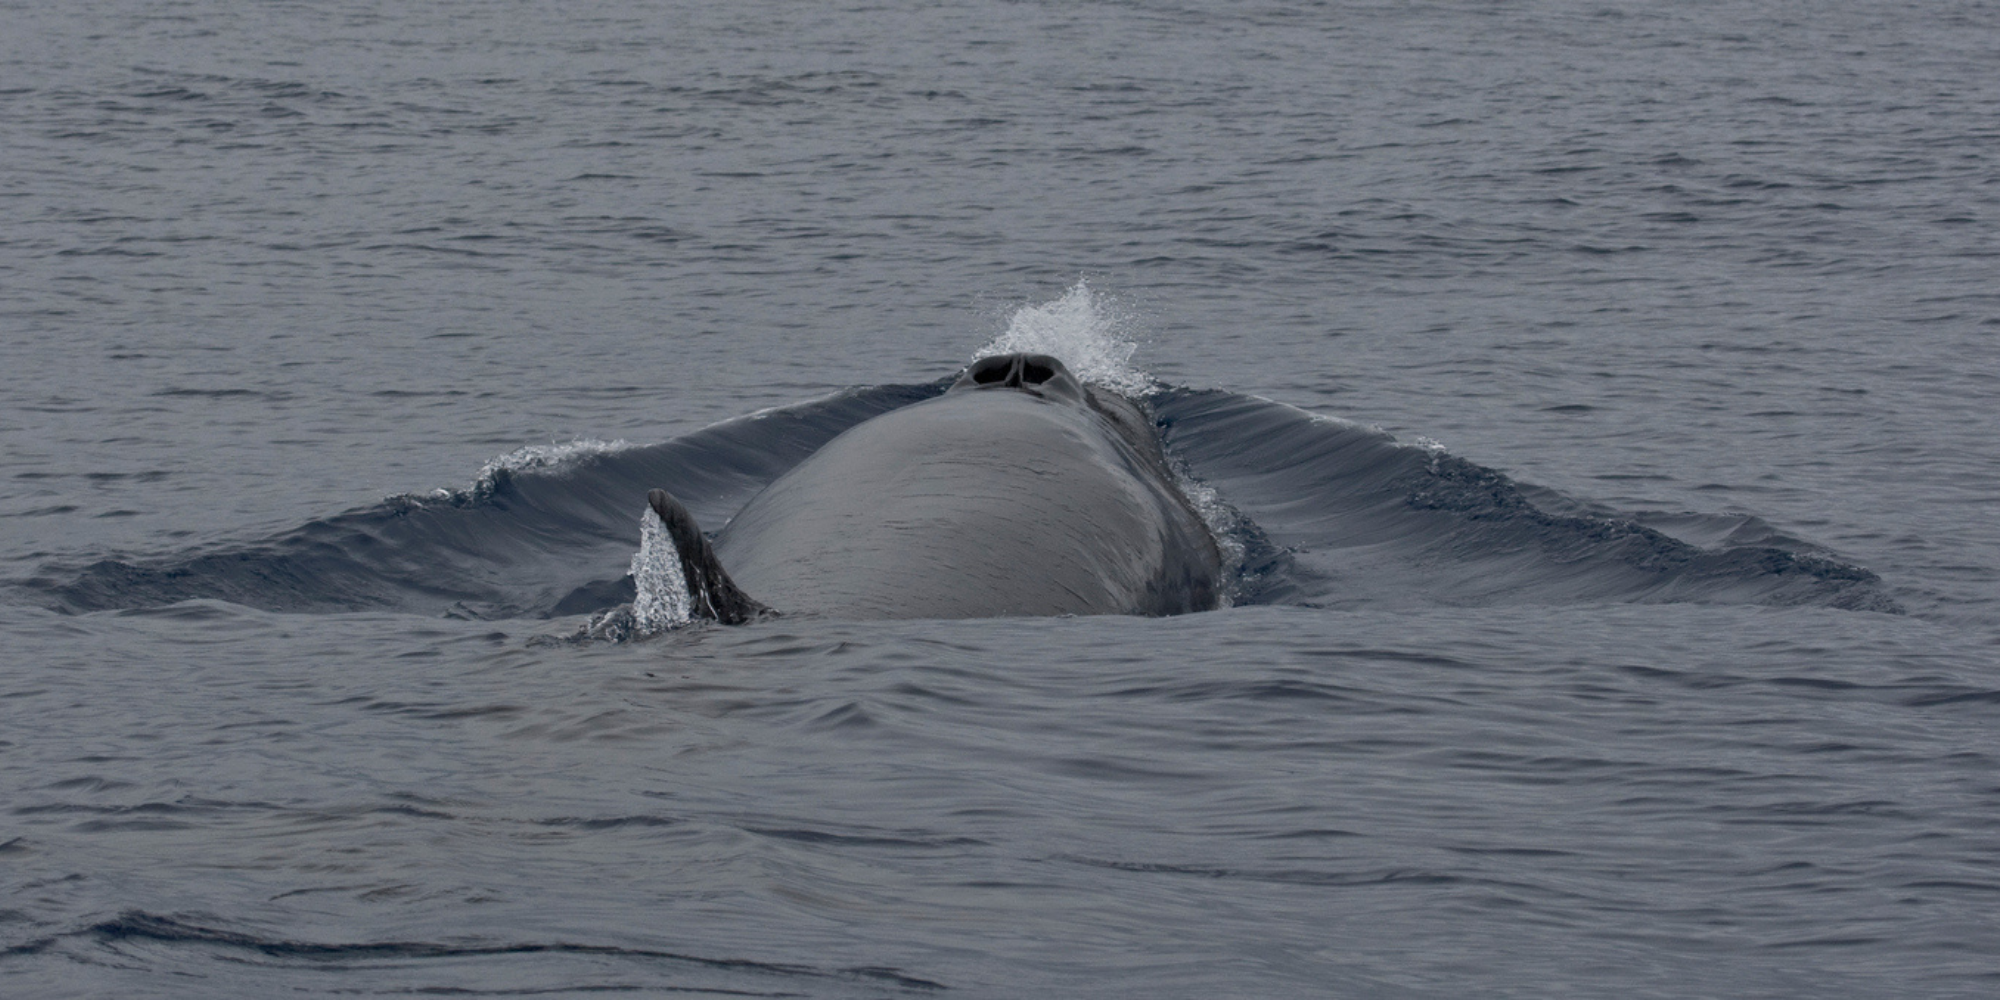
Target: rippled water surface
[{"x": 1597, "y": 403}]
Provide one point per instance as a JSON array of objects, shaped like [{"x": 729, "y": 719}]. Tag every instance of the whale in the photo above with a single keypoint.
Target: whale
[{"x": 1020, "y": 491}]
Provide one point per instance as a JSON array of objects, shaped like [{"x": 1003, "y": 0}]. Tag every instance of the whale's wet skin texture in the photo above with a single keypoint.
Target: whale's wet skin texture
[
  {"x": 1017, "y": 492},
  {"x": 1577, "y": 418}
]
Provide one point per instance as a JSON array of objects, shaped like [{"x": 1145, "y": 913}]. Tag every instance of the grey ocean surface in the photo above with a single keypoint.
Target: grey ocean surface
[{"x": 1602, "y": 399}]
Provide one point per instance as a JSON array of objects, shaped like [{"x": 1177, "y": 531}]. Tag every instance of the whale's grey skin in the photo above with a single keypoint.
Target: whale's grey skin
[{"x": 1017, "y": 492}]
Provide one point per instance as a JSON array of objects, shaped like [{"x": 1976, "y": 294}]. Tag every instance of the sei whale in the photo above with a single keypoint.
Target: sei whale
[{"x": 1018, "y": 492}]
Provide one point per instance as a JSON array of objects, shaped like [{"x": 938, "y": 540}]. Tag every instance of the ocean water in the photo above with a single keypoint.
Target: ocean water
[{"x": 1597, "y": 404}]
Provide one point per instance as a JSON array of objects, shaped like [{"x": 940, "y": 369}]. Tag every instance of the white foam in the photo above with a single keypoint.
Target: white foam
[
  {"x": 662, "y": 601},
  {"x": 1221, "y": 520},
  {"x": 535, "y": 459},
  {"x": 549, "y": 457},
  {"x": 1087, "y": 331}
]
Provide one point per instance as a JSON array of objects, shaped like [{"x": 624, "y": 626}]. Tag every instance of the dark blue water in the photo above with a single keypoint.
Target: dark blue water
[{"x": 1597, "y": 403}]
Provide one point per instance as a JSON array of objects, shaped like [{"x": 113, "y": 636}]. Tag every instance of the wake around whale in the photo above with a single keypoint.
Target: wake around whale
[
  {"x": 1019, "y": 491},
  {"x": 1009, "y": 489}
]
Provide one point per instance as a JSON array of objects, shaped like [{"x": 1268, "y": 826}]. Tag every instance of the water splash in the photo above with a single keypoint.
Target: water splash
[
  {"x": 1086, "y": 330},
  {"x": 662, "y": 600},
  {"x": 534, "y": 458},
  {"x": 549, "y": 457},
  {"x": 1226, "y": 525}
]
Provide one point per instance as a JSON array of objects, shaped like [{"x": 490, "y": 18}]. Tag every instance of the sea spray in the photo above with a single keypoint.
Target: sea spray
[
  {"x": 661, "y": 601},
  {"x": 1225, "y": 525},
  {"x": 1085, "y": 330},
  {"x": 534, "y": 459},
  {"x": 1090, "y": 333}
]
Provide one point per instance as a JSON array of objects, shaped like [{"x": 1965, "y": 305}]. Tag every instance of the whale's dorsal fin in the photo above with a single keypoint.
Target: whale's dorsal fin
[{"x": 711, "y": 593}]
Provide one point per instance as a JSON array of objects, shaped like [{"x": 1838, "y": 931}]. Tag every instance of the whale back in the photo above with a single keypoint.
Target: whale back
[{"x": 978, "y": 504}]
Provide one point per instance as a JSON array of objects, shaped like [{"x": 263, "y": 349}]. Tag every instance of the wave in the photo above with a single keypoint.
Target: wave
[
  {"x": 551, "y": 535},
  {"x": 1338, "y": 515},
  {"x": 174, "y": 931},
  {"x": 1314, "y": 511}
]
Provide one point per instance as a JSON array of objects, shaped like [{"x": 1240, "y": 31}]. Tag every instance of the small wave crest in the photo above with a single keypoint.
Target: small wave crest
[
  {"x": 1083, "y": 328},
  {"x": 534, "y": 458}
]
